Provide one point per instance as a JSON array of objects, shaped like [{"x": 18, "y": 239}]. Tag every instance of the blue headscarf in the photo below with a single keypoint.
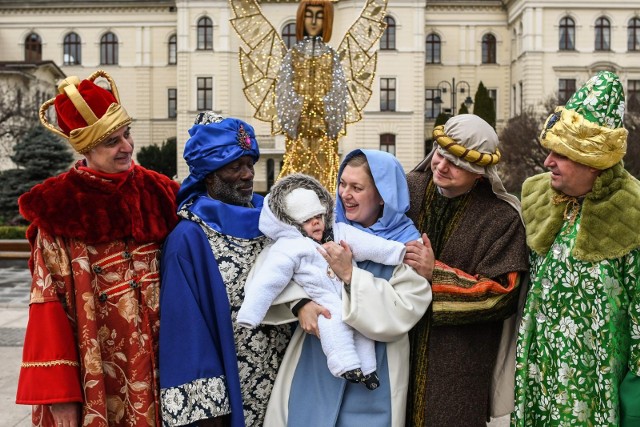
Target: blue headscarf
[
  {"x": 213, "y": 145},
  {"x": 391, "y": 182}
]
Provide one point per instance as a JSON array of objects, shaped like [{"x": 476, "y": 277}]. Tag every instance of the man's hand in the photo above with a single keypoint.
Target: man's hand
[
  {"x": 420, "y": 257},
  {"x": 66, "y": 414},
  {"x": 308, "y": 317}
]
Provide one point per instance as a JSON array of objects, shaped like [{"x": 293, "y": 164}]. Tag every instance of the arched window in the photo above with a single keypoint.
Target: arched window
[
  {"x": 289, "y": 35},
  {"x": 388, "y": 39},
  {"x": 388, "y": 143},
  {"x": 603, "y": 34},
  {"x": 433, "y": 49},
  {"x": 567, "y": 34},
  {"x": 205, "y": 34},
  {"x": 109, "y": 49},
  {"x": 72, "y": 51},
  {"x": 33, "y": 48},
  {"x": 173, "y": 50},
  {"x": 489, "y": 49},
  {"x": 633, "y": 34}
]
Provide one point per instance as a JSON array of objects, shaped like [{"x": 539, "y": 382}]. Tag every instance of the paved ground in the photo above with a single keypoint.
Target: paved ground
[{"x": 14, "y": 300}]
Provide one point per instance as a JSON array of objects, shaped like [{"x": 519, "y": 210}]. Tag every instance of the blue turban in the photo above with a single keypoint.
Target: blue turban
[{"x": 212, "y": 146}]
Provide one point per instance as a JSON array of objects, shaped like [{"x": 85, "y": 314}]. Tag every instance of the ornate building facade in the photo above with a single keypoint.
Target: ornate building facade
[{"x": 173, "y": 58}]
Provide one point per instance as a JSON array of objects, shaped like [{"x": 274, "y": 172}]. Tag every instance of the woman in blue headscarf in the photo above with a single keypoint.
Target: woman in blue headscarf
[{"x": 381, "y": 302}]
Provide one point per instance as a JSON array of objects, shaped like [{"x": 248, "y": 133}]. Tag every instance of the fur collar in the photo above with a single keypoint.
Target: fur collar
[
  {"x": 79, "y": 205},
  {"x": 609, "y": 219}
]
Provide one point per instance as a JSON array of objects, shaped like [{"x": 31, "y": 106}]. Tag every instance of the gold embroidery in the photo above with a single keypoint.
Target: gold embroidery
[{"x": 49, "y": 363}]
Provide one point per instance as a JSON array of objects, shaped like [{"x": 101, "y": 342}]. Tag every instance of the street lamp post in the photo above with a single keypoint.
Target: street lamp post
[{"x": 462, "y": 87}]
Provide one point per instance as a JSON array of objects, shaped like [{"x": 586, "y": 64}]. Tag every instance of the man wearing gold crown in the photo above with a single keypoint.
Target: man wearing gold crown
[
  {"x": 578, "y": 358},
  {"x": 90, "y": 351},
  {"x": 478, "y": 239}
]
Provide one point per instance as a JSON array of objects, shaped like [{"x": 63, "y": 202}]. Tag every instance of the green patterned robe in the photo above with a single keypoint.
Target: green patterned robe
[{"x": 578, "y": 338}]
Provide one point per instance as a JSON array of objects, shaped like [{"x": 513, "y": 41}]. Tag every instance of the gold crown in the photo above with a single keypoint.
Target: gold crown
[{"x": 84, "y": 139}]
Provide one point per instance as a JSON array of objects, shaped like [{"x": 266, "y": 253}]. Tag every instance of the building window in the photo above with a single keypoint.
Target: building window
[
  {"x": 493, "y": 94},
  {"x": 271, "y": 173},
  {"x": 633, "y": 96},
  {"x": 40, "y": 98},
  {"x": 388, "y": 143},
  {"x": 71, "y": 49},
  {"x": 109, "y": 49},
  {"x": 387, "y": 94},
  {"x": 205, "y": 93},
  {"x": 489, "y": 49},
  {"x": 172, "y": 103},
  {"x": 567, "y": 34},
  {"x": 388, "y": 39},
  {"x": 289, "y": 35},
  {"x": 633, "y": 34},
  {"x": 33, "y": 48},
  {"x": 431, "y": 108},
  {"x": 18, "y": 100},
  {"x": 433, "y": 49},
  {"x": 205, "y": 34},
  {"x": 603, "y": 34},
  {"x": 521, "y": 86},
  {"x": 566, "y": 88},
  {"x": 173, "y": 50}
]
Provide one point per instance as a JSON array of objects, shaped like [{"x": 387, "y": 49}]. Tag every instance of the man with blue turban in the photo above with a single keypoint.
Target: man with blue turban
[{"x": 212, "y": 371}]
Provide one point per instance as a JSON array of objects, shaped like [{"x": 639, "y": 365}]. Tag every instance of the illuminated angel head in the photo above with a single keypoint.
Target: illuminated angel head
[{"x": 307, "y": 18}]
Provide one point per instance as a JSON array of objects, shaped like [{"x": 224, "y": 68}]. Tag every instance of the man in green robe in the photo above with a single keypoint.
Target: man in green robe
[{"x": 578, "y": 357}]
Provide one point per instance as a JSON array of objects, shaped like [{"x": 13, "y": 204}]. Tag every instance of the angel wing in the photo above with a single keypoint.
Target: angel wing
[
  {"x": 359, "y": 57},
  {"x": 260, "y": 64}
]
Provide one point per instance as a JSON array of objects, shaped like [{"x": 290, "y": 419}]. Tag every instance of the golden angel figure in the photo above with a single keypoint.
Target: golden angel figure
[{"x": 311, "y": 92}]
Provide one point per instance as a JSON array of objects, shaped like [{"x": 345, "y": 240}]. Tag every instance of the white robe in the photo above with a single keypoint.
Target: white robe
[{"x": 403, "y": 299}]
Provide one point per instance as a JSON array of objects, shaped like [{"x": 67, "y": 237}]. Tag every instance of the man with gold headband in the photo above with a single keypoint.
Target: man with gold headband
[
  {"x": 474, "y": 228},
  {"x": 578, "y": 357},
  {"x": 90, "y": 351}
]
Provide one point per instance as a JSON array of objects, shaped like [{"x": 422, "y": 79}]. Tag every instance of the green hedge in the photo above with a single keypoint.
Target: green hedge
[{"x": 12, "y": 232}]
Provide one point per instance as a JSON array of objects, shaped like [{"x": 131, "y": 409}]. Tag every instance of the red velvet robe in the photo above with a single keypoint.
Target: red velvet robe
[{"x": 93, "y": 316}]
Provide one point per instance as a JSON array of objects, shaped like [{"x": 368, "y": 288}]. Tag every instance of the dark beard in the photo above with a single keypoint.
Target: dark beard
[{"x": 228, "y": 193}]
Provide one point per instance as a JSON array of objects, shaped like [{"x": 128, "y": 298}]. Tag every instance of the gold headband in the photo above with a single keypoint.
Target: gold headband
[
  {"x": 568, "y": 133},
  {"x": 458, "y": 150},
  {"x": 85, "y": 139}
]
